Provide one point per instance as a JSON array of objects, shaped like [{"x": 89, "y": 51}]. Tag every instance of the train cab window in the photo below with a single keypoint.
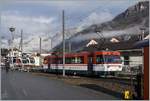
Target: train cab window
[
  {"x": 25, "y": 61},
  {"x": 32, "y": 60},
  {"x": 113, "y": 59}
]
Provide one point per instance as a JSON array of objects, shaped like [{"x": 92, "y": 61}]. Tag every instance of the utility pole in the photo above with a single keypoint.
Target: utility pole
[
  {"x": 21, "y": 42},
  {"x": 141, "y": 70},
  {"x": 63, "y": 32},
  {"x": 40, "y": 51},
  {"x": 142, "y": 38},
  {"x": 69, "y": 47},
  {"x": 40, "y": 46},
  {"x": 21, "y": 46}
]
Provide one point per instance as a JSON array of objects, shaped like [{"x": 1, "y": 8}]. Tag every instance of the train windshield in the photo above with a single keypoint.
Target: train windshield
[
  {"x": 112, "y": 59},
  {"x": 32, "y": 60},
  {"x": 74, "y": 60},
  {"x": 108, "y": 59},
  {"x": 25, "y": 61},
  {"x": 16, "y": 60}
]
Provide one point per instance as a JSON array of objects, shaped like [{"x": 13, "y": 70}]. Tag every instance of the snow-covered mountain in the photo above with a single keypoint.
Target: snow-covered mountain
[{"x": 127, "y": 23}]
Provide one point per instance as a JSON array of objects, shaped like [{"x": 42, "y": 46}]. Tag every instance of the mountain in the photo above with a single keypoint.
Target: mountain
[
  {"x": 134, "y": 15},
  {"x": 126, "y": 27}
]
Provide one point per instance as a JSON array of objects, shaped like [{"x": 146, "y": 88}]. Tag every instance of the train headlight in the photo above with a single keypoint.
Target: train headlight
[{"x": 119, "y": 66}]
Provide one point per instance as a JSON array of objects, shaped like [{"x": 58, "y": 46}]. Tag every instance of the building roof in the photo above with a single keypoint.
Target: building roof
[{"x": 143, "y": 43}]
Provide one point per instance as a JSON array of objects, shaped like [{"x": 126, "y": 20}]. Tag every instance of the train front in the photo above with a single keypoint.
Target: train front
[{"x": 108, "y": 61}]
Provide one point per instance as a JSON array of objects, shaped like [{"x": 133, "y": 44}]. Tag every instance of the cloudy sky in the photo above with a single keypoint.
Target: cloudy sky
[{"x": 43, "y": 17}]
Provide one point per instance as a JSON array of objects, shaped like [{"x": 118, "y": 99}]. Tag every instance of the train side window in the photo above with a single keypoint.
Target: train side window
[
  {"x": 76, "y": 60},
  {"x": 73, "y": 60},
  {"x": 99, "y": 59},
  {"x": 68, "y": 60},
  {"x": 79, "y": 59}
]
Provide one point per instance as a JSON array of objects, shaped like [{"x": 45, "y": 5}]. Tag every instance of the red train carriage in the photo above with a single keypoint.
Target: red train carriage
[{"x": 90, "y": 63}]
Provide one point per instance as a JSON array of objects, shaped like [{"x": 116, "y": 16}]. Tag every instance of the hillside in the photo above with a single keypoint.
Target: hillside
[{"x": 125, "y": 27}]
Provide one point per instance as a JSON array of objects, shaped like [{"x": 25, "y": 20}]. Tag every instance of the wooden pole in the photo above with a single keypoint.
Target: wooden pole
[{"x": 63, "y": 32}]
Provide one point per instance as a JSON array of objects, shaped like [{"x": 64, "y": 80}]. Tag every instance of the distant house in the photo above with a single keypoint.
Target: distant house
[{"x": 15, "y": 53}]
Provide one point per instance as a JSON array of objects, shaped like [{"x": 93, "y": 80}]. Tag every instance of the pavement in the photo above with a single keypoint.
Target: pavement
[{"x": 17, "y": 85}]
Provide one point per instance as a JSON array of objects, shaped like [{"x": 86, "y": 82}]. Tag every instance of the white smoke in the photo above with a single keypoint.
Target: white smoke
[{"x": 106, "y": 34}]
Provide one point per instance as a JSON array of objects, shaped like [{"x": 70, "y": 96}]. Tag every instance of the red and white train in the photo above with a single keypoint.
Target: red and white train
[{"x": 88, "y": 63}]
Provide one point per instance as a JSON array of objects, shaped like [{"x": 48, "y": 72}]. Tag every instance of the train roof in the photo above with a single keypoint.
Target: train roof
[
  {"x": 142, "y": 43},
  {"x": 107, "y": 52},
  {"x": 86, "y": 53}
]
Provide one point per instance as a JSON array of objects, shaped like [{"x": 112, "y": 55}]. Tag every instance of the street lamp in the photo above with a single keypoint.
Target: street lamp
[{"x": 12, "y": 29}]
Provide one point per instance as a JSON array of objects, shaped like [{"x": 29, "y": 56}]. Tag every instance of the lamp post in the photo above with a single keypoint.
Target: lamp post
[
  {"x": 40, "y": 49},
  {"x": 12, "y": 29}
]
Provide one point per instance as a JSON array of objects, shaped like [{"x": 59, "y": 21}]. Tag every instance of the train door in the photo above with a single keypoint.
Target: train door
[
  {"x": 49, "y": 62},
  {"x": 90, "y": 65}
]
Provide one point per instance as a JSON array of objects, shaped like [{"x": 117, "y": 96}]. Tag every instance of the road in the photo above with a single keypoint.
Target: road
[{"x": 26, "y": 86}]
